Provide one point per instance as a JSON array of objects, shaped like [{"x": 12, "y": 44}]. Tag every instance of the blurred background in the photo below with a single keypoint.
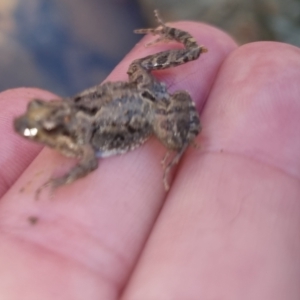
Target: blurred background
[{"x": 65, "y": 46}]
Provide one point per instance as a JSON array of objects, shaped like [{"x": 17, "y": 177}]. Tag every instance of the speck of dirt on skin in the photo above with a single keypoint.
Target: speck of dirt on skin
[{"x": 33, "y": 220}]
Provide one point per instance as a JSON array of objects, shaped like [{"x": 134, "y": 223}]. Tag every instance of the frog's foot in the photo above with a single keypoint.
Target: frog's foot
[
  {"x": 168, "y": 168},
  {"x": 162, "y": 30},
  {"x": 51, "y": 183},
  {"x": 164, "y": 160},
  {"x": 171, "y": 164},
  {"x": 158, "y": 30},
  {"x": 54, "y": 183},
  {"x": 158, "y": 18}
]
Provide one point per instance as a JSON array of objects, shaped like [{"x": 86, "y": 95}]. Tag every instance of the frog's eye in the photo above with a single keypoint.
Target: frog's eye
[{"x": 49, "y": 125}]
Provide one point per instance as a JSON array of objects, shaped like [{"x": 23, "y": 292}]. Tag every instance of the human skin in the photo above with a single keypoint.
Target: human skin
[{"x": 227, "y": 229}]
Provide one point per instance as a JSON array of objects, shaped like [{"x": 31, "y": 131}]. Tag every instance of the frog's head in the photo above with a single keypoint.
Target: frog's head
[{"x": 44, "y": 121}]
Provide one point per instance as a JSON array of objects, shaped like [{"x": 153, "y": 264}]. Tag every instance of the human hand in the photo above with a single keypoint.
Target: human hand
[{"x": 227, "y": 229}]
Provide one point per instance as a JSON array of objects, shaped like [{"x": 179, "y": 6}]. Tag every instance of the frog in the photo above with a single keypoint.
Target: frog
[{"x": 116, "y": 117}]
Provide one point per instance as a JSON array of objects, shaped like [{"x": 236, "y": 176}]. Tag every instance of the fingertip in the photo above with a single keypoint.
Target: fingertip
[{"x": 253, "y": 108}]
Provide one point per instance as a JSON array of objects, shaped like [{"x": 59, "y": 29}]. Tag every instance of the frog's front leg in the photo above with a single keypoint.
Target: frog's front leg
[
  {"x": 87, "y": 163},
  {"x": 176, "y": 127}
]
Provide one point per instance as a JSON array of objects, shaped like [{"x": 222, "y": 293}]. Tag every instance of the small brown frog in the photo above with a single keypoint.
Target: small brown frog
[{"x": 116, "y": 117}]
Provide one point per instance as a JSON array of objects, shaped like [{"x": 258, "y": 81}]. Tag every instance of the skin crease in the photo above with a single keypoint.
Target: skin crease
[{"x": 227, "y": 229}]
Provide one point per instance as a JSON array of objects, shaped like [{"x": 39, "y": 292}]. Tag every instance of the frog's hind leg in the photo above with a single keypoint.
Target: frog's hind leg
[
  {"x": 139, "y": 71},
  {"x": 176, "y": 127},
  {"x": 170, "y": 58}
]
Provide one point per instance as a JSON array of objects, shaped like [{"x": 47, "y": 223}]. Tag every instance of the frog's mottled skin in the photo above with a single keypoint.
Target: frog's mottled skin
[{"x": 116, "y": 117}]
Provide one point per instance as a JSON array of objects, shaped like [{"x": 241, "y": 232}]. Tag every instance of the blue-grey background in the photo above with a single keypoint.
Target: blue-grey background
[{"x": 64, "y": 46}]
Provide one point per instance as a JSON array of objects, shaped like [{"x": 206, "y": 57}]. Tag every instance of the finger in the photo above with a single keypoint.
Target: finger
[
  {"x": 95, "y": 228},
  {"x": 230, "y": 226}
]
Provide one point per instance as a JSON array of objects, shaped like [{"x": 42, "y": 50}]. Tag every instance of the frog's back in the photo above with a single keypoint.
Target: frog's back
[{"x": 121, "y": 124}]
